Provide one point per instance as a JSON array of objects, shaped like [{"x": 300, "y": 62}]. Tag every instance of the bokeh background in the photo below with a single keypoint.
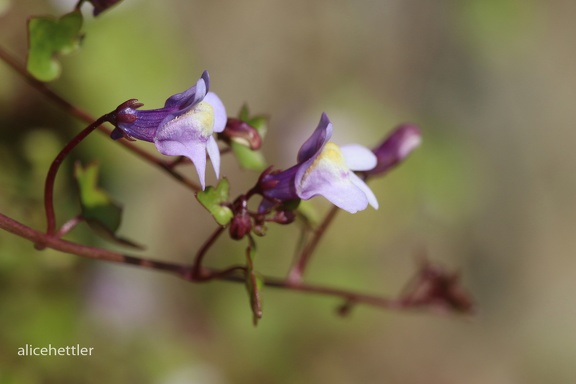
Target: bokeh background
[{"x": 490, "y": 193}]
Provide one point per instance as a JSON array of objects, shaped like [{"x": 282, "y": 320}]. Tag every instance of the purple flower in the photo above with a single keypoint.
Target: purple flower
[
  {"x": 183, "y": 127},
  {"x": 324, "y": 169},
  {"x": 395, "y": 148}
]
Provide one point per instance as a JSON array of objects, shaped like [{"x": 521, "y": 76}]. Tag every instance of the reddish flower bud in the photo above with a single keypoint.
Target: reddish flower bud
[
  {"x": 395, "y": 148},
  {"x": 284, "y": 217},
  {"x": 240, "y": 132},
  {"x": 240, "y": 225}
]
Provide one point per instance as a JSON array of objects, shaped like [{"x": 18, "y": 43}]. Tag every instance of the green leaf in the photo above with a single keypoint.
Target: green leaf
[
  {"x": 244, "y": 113},
  {"x": 213, "y": 199},
  {"x": 254, "y": 283},
  {"x": 49, "y": 37},
  {"x": 101, "y": 213},
  {"x": 260, "y": 123},
  {"x": 248, "y": 159}
]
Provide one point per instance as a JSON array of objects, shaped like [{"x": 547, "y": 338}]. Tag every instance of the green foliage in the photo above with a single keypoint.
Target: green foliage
[
  {"x": 101, "y": 213},
  {"x": 247, "y": 158},
  {"x": 49, "y": 37},
  {"x": 213, "y": 199}
]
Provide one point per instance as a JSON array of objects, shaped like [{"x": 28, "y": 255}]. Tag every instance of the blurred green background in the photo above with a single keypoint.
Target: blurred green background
[{"x": 490, "y": 192}]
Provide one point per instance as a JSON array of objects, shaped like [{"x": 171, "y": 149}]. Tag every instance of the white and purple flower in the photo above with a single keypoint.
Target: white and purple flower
[
  {"x": 183, "y": 127},
  {"x": 324, "y": 169}
]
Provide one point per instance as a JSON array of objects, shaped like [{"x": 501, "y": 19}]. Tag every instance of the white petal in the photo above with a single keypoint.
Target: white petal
[
  {"x": 194, "y": 150},
  {"x": 342, "y": 192},
  {"x": 358, "y": 157},
  {"x": 214, "y": 153},
  {"x": 364, "y": 187},
  {"x": 410, "y": 143},
  {"x": 339, "y": 186},
  {"x": 220, "y": 116}
]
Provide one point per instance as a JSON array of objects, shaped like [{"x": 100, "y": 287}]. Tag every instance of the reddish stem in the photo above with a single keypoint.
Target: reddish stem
[
  {"x": 184, "y": 271},
  {"x": 86, "y": 117},
  {"x": 51, "y": 176},
  {"x": 69, "y": 225},
  {"x": 196, "y": 271},
  {"x": 295, "y": 274}
]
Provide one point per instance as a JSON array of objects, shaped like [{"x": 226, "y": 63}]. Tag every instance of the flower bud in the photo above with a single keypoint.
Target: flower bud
[
  {"x": 240, "y": 132},
  {"x": 240, "y": 225},
  {"x": 284, "y": 217},
  {"x": 395, "y": 148}
]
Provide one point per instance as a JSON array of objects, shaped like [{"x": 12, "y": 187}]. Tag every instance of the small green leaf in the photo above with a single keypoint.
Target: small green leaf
[
  {"x": 244, "y": 113},
  {"x": 260, "y": 123},
  {"x": 254, "y": 283},
  {"x": 248, "y": 159},
  {"x": 213, "y": 199},
  {"x": 101, "y": 213},
  {"x": 49, "y": 37}
]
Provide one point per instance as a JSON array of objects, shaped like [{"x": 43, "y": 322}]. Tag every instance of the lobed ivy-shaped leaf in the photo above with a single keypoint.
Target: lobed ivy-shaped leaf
[
  {"x": 99, "y": 210},
  {"x": 214, "y": 199},
  {"x": 247, "y": 158},
  {"x": 49, "y": 37}
]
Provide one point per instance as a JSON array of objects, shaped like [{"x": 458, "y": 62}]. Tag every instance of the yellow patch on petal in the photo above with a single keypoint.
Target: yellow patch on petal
[
  {"x": 332, "y": 153},
  {"x": 331, "y": 157},
  {"x": 203, "y": 116}
]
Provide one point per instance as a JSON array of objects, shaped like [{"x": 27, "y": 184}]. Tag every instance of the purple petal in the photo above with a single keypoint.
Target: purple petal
[
  {"x": 189, "y": 133},
  {"x": 184, "y": 136},
  {"x": 190, "y": 96},
  {"x": 319, "y": 138},
  {"x": 193, "y": 125},
  {"x": 281, "y": 185},
  {"x": 146, "y": 124},
  {"x": 116, "y": 134},
  {"x": 358, "y": 158}
]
